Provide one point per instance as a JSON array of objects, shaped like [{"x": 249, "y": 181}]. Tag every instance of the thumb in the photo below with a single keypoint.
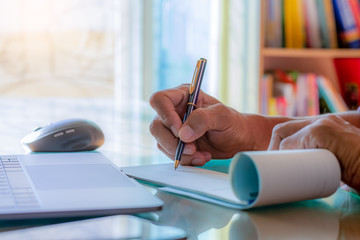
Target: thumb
[{"x": 202, "y": 120}]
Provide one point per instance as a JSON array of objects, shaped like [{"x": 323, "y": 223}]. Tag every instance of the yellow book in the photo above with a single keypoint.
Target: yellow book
[
  {"x": 272, "y": 107},
  {"x": 298, "y": 24},
  {"x": 288, "y": 26}
]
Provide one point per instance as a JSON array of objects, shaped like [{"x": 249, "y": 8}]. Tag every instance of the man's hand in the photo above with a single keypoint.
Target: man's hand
[
  {"x": 212, "y": 130},
  {"x": 329, "y": 132}
]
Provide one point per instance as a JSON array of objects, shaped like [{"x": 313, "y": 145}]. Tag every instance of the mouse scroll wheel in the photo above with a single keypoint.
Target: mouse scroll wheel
[{"x": 37, "y": 129}]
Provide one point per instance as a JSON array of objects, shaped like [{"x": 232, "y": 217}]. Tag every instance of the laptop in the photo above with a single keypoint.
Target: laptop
[{"x": 68, "y": 185}]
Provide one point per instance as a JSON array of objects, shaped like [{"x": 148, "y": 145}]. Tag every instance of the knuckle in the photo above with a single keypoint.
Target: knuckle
[
  {"x": 323, "y": 124},
  {"x": 324, "y": 121},
  {"x": 155, "y": 98},
  {"x": 153, "y": 126},
  {"x": 223, "y": 110},
  {"x": 278, "y": 128},
  {"x": 284, "y": 144},
  {"x": 165, "y": 118},
  {"x": 200, "y": 113}
]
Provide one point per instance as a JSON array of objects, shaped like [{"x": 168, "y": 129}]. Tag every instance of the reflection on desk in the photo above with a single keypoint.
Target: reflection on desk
[
  {"x": 125, "y": 125},
  {"x": 335, "y": 217},
  {"x": 114, "y": 227}
]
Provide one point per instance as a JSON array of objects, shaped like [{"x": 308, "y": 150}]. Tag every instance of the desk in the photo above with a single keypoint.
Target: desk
[{"x": 128, "y": 142}]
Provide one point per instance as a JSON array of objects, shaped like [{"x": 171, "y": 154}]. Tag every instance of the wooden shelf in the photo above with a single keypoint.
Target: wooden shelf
[{"x": 311, "y": 53}]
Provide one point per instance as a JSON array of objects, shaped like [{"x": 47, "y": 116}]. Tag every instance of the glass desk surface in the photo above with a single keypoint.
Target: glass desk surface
[{"x": 128, "y": 142}]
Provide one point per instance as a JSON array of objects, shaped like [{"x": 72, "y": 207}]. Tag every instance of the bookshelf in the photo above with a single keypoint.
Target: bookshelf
[
  {"x": 314, "y": 60},
  {"x": 310, "y": 53}
]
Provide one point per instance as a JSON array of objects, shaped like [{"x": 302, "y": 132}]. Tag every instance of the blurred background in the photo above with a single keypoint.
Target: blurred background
[{"x": 128, "y": 49}]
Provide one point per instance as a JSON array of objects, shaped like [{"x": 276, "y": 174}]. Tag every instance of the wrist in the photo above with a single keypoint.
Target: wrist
[{"x": 262, "y": 127}]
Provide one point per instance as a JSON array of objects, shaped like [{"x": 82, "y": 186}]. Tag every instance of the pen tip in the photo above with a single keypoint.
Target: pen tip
[{"x": 176, "y": 164}]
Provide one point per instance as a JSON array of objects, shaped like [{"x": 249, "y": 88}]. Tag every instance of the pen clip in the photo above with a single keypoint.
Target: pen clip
[{"x": 195, "y": 78}]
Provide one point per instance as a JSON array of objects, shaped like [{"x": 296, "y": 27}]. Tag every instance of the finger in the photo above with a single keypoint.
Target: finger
[
  {"x": 199, "y": 158},
  {"x": 294, "y": 141},
  {"x": 168, "y": 104},
  {"x": 166, "y": 139},
  {"x": 196, "y": 159},
  {"x": 295, "y": 135},
  {"x": 310, "y": 136},
  {"x": 169, "y": 155},
  {"x": 284, "y": 130},
  {"x": 204, "y": 119}
]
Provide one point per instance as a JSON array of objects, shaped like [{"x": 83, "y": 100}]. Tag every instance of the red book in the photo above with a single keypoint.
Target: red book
[{"x": 348, "y": 72}]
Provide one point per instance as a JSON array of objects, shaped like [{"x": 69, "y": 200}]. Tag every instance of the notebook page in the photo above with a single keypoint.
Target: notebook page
[{"x": 198, "y": 183}]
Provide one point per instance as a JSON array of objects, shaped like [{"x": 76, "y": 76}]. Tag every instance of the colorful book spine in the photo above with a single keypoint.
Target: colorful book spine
[
  {"x": 266, "y": 87},
  {"x": 313, "y": 96},
  {"x": 302, "y": 96},
  {"x": 299, "y": 94},
  {"x": 332, "y": 98},
  {"x": 312, "y": 27},
  {"x": 345, "y": 22},
  {"x": 288, "y": 24},
  {"x": 294, "y": 24},
  {"x": 298, "y": 24},
  {"x": 323, "y": 25},
  {"x": 330, "y": 20},
  {"x": 273, "y": 36},
  {"x": 355, "y": 7}
]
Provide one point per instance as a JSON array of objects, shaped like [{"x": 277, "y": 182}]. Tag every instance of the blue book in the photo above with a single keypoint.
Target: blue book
[{"x": 348, "y": 33}]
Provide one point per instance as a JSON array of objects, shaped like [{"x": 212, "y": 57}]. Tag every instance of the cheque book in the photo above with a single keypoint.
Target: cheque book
[{"x": 253, "y": 179}]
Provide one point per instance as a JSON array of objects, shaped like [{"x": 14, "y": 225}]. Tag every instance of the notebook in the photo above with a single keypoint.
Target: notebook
[
  {"x": 253, "y": 179},
  {"x": 68, "y": 185}
]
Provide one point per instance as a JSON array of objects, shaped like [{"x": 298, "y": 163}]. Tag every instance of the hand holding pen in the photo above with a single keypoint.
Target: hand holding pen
[{"x": 194, "y": 91}]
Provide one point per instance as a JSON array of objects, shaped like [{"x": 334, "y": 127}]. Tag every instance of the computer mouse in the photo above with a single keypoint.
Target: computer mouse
[{"x": 69, "y": 135}]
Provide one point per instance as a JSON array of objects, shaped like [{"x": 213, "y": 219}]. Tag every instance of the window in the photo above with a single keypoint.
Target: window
[
  {"x": 56, "y": 48},
  {"x": 75, "y": 48}
]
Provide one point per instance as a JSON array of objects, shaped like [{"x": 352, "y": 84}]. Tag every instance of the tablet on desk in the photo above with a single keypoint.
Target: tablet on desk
[{"x": 68, "y": 185}]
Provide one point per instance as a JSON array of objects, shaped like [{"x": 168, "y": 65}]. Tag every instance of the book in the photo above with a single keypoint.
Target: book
[
  {"x": 323, "y": 25},
  {"x": 348, "y": 72},
  {"x": 273, "y": 36},
  {"x": 355, "y": 8},
  {"x": 330, "y": 20},
  {"x": 302, "y": 96},
  {"x": 348, "y": 33},
  {"x": 266, "y": 86},
  {"x": 250, "y": 179},
  {"x": 288, "y": 24},
  {"x": 333, "y": 99},
  {"x": 284, "y": 91},
  {"x": 298, "y": 24},
  {"x": 313, "y": 95},
  {"x": 312, "y": 26}
]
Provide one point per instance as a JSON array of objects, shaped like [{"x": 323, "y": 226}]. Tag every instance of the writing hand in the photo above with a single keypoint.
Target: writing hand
[{"x": 212, "y": 130}]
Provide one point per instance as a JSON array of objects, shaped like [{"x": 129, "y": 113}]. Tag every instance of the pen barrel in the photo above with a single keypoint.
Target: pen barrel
[
  {"x": 179, "y": 150},
  {"x": 194, "y": 91},
  {"x": 189, "y": 110}
]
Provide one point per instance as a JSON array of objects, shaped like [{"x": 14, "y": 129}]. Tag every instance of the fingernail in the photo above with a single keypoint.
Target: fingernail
[
  {"x": 186, "y": 133},
  {"x": 197, "y": 162},
  {"x": 188, "y": 150},
  {"x": 175, "y": 131},
  {"x": 207, "y": 156}
]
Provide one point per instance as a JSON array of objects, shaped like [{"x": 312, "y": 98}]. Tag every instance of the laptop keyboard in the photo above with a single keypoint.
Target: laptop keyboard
[{"x": 15, "y": 189}]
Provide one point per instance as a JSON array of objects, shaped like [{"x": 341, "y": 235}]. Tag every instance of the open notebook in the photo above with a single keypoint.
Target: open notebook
[{"x": 255, "y": 178}]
